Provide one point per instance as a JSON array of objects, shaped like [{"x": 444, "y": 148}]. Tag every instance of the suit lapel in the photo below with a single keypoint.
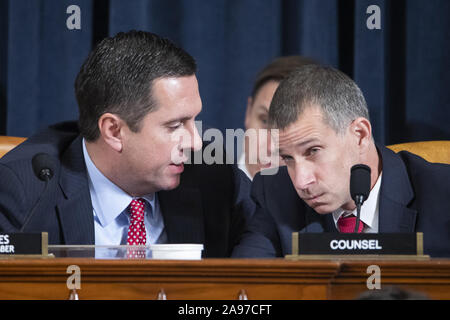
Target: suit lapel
[
  {"x": 183, "y": 215},
  {"x": 317, "y": 223},
  {"x": 75, "y": 210},
  {"x": 328, "y": 223},
  {"x": 395, "y": 195}
]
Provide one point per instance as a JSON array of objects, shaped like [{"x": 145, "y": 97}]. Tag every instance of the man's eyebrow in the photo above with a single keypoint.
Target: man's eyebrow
[
  {"x": 301, "y": 144},
  {"x": 306, "y": 142},
  {"x": 263, "y": 107},
  {"x": 280, "y": 151}
]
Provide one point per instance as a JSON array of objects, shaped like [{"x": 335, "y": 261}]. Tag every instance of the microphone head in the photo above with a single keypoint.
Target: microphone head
[
  {"x": 360, "y": 181},
  {"x": 43, "y": 166}
]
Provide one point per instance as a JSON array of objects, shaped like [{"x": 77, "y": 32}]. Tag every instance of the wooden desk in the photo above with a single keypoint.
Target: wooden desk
[{"x": 216, "y": 278}]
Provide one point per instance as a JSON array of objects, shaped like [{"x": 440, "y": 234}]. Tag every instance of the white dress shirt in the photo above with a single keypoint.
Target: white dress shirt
[
  {"x": 110, "y": 210},
  {"x": 369, "y": 210},
  {"x": 241, "y": 165}
]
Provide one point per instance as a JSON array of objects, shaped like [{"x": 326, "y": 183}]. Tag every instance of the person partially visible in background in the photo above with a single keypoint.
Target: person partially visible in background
[{"x": 258, "y": 103}]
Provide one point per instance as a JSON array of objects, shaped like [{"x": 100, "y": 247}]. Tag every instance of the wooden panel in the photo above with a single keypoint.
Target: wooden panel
[
  {"x": 217, "y": 278},
  {"x": 429, "y": 277},
  {"x": 143, "y": 279}
]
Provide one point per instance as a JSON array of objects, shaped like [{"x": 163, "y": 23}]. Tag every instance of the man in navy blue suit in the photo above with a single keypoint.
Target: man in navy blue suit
[
  {"x": 324, "y": 130},
  {"x": 121, "y": 176}
]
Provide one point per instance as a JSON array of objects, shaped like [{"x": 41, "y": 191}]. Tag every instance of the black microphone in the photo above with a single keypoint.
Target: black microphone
[
  {"x": 359, "y": 187},
  {"x": 44, "y": 168}
]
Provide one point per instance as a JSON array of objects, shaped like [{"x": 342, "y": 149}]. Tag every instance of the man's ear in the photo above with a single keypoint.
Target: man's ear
[
  {"x": 111, "y": 126},
  {"x": 362, "y": 131},
  {"x": 247, "y": 112}
]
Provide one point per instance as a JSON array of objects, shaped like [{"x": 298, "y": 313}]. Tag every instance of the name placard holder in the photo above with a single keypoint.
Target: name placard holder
[
  {"x": 24, "y": 245},
  {"x": 357, "y": 246}
]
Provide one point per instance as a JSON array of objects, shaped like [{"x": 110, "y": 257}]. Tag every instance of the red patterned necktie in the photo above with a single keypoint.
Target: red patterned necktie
[
  {"x": 136, "y": 230},
  {"x": 347, "y": 224}
]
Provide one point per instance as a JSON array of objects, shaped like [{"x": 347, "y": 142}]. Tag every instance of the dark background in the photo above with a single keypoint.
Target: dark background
[{"x": 402, "y": 69}]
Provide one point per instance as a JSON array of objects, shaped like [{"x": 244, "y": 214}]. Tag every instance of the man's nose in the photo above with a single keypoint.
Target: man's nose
[
  {"x": 191, "y": 139},
  {"x": 197, "y": 142},
  {"x": 303, "y": 176}
]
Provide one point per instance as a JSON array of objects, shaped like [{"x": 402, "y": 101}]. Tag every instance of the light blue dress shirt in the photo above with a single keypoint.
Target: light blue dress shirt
[{"x": 111, "y": 214}]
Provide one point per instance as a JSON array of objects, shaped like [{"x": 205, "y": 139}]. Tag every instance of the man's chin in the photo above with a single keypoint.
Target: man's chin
[
  {"x": 322, "y": 208},
  {"x": 171, "y": 183}
]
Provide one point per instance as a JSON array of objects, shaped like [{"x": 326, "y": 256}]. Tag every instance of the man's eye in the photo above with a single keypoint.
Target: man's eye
[
  {"x": 175, "y": 126},
  {"x": 286, "y": 158},
  {"x": 263, "y": 120},
  {"x": 312, "y": 151}
]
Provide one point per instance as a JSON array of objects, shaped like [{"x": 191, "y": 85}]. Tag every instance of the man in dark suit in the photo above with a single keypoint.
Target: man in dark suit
[
  {"x": 121, "y": 175},
  {"x": 324, "y": 130}
]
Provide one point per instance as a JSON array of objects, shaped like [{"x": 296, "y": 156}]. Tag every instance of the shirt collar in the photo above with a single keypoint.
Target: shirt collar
[
  {"x": 108, "y": 200},
  {"x": 241, "y": 165},
  {"x": 369, "y": 209}
]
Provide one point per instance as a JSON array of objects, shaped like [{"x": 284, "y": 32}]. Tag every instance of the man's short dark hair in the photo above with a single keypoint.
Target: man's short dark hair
[
  {"x": 117, "y": 77},
  {"x": 278, "y": 69},
  {"x": 338, "y": 97}
]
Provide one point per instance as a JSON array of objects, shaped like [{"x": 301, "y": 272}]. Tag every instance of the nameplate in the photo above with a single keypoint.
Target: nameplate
[
  {"x": 403, "y": 244},
  {"x": 18, "y": 244}
]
